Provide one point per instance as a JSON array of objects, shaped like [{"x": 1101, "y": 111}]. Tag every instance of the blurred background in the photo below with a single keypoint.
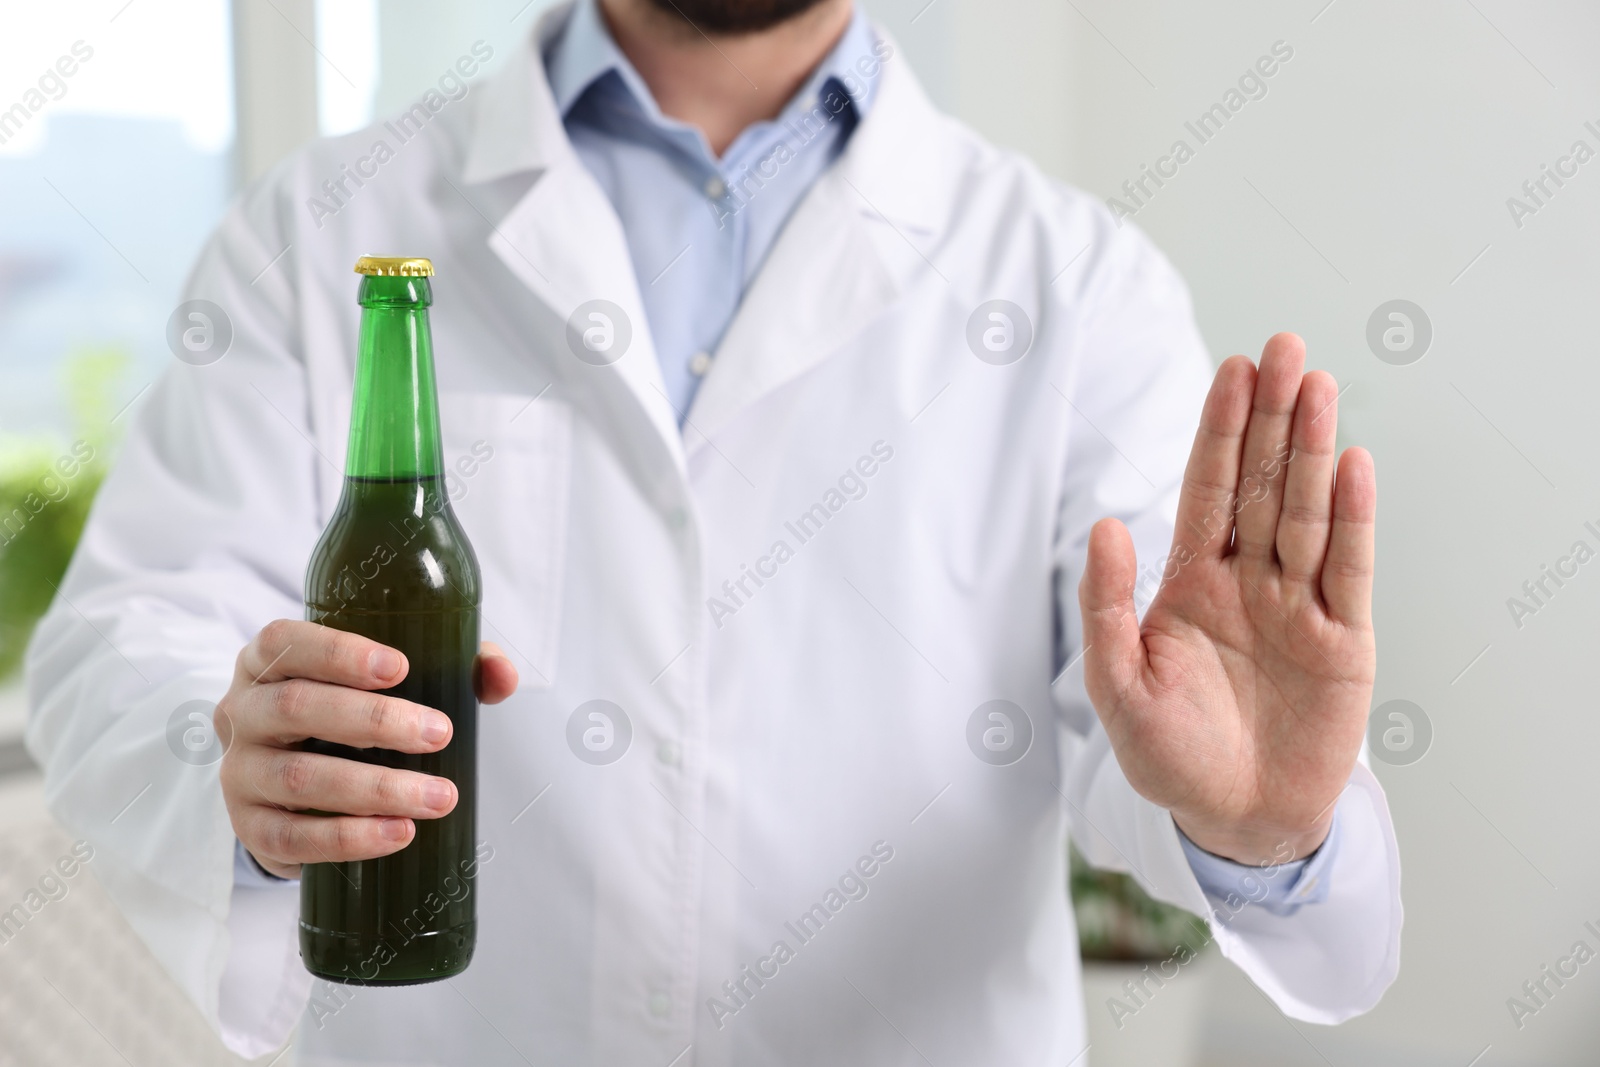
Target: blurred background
[{"x": 1386, "y": 192}]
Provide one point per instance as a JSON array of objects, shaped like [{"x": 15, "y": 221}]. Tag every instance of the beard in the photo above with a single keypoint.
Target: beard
[{"x": 735, "y": 16}]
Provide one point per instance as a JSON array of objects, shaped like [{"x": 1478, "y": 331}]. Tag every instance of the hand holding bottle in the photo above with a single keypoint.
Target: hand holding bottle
[{"x": 300, "y": 680}]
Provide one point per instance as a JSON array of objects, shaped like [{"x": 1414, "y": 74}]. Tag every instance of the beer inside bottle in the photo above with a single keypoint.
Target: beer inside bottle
[{"x": 395, "y": 566}]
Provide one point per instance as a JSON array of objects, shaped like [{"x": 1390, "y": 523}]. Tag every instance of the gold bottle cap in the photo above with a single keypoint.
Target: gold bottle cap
[{"x": 395, "y": 266}]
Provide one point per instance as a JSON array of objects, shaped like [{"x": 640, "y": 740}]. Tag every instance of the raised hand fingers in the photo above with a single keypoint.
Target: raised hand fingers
[
  {"x": 1302, "y": 537},
  {"x": 1205, "y": 506},
  {"x": 1111, "y": 649},
  {"x": 1266, "y": 446},
  {"x": 1347, "y": 570},
  {"x": 290, "y": 649}
]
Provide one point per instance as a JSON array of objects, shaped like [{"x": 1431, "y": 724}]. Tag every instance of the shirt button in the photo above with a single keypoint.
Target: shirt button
[
  {"x": 660, "y": 1005},
  {"x": 669, "y": 753},
  {"x": 699, "y": 364},
  {"x": 715, "y": 187}
]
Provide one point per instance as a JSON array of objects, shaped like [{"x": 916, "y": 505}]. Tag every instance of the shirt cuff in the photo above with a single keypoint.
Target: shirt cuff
[
  {"x": 1278, "y": 889},
  {"x": 247, "y": 872}
]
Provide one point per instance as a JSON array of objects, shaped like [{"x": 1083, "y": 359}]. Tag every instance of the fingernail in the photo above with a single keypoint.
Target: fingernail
[
  {"x": 435, "y": 727},
  {"x": 384, "y": 663},
  {"x": 438, "y": 794},
  {"x": 395, "y": 829}
]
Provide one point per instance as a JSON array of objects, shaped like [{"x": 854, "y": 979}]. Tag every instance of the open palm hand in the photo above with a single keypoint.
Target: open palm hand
[{"x": 1240, "y": 702}]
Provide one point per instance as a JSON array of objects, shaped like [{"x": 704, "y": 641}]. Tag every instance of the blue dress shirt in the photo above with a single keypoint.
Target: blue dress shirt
[
  {"x": 1279, "y": 889},
  {"x": 698, "y": 229}
]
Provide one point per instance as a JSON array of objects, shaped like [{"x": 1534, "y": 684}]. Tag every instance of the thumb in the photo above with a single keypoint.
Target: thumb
[
  {"x": 494, "y": 676},
  {"x": 1112, "y": 648}
]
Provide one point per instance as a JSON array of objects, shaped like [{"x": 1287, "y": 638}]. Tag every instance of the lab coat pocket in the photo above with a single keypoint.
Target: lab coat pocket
[{"x": 507, "y": 460}]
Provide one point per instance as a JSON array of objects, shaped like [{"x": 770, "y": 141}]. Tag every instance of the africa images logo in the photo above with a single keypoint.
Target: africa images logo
[
  {"x": 599, "y": 332},
  {"x": 999, "y": 732},
  {"x": 999, "y": 332},
  {"x": 192, "y": 733},
  {"x": 599, "y": 732}
]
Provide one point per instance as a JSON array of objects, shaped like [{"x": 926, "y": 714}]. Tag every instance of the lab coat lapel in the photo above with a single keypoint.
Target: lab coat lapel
[
  {"x": 564, "y": 242},
  {"x": 822, "y": 282},
  {"x": 854, "y": 245}
]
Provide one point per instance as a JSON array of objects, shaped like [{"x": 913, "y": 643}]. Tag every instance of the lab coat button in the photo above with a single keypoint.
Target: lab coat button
[
  {"x": 699, "y": 364},
  {"x": 677, "y": 518},
  {"x": 660, "y": 1005},
  {"x": 669, "y": 753}
]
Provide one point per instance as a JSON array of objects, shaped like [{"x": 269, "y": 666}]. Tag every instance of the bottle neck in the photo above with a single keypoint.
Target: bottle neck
[{"x": 394, "y": 417}]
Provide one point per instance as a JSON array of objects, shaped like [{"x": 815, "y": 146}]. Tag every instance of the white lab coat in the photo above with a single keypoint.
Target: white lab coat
[{"x": 772, "y": 748}]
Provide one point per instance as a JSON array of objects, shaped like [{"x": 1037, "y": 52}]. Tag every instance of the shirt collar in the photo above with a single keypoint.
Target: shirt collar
[
  {"x": 904, "y": 161},
  {"x": 585, "y": 53}
]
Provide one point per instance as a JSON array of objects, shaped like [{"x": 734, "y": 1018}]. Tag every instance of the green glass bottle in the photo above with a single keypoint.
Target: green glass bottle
[{"x": 395, "y": 566}]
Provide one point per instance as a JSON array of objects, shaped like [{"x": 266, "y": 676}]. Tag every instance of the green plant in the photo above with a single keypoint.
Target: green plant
[
  {"x": 1119, "y": 921},
  {"x": 45, "y": 493}
]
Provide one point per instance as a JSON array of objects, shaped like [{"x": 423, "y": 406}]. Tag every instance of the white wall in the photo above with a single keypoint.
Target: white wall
[
  {"x": 1391, "y": 142},
  {"x": 420, "y": 39},
  {"x": 275, "y": 82}
]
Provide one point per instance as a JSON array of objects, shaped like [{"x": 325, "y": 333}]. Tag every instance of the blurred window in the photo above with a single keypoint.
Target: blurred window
[{"x": 115, "y": 127}]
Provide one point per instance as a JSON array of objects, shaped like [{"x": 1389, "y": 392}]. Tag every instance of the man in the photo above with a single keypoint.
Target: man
[{"x": 840, "y": 507}]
